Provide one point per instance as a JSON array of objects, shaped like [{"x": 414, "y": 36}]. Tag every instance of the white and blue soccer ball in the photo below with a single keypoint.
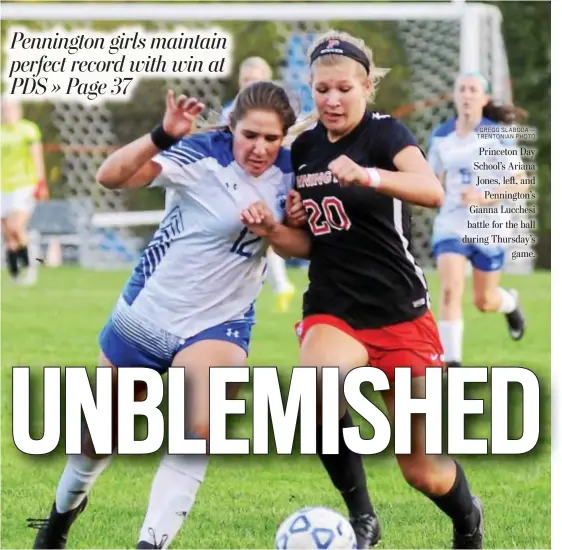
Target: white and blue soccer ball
[{"x": 315, "y": 527}]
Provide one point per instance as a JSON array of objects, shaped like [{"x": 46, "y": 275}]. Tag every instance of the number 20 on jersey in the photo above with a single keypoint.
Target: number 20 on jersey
[{"x": 327, "y": 216}]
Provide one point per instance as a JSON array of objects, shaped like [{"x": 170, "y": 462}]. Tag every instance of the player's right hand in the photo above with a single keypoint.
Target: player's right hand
[
  {"x": 180, "y": 114},
  {"x": 258, "y": 219},
  {"x": 295, "y": 213}
]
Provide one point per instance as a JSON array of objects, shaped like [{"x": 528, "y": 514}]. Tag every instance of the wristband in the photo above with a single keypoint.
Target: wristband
[
  {"x": 374, "y": 177},
  {"x": 161, "y": 138}
]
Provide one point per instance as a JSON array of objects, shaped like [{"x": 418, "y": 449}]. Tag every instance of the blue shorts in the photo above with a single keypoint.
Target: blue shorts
[
  {"x": 122, "y": 350},
  {"x": 479, "y": 257}
]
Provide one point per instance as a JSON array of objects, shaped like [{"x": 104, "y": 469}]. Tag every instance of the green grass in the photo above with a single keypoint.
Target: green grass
[{"x": 244, "y": 499}]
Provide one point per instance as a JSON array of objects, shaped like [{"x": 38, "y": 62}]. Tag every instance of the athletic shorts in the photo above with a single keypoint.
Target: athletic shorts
[
  {"x": 20, "y": 200},
  {"x": 479, "y": 257},
  {"x": 127, "y": 342},
  {"x": 415, "y": 344}
]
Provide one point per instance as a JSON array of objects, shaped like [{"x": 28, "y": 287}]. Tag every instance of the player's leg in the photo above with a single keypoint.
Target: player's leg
[
  {"x": 279, "y": 280},
  {"x": 11, "y": 246},
  {"x": 417, "y": 344},
  {"x": 490, "y": 297},
  {"x": 179, "y": 477},
  {"x": 22, "y": 204},
  {"x": 440, "y": 478},
  {"x": 79, "y": 475},
  {"x": 326, "y": 342},
  {"x": 451, "y": 265},
  {"x": 19, "y": 220}
]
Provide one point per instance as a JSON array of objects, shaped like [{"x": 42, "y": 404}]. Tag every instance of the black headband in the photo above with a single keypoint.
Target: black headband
[{"x": 333, "y": 46}]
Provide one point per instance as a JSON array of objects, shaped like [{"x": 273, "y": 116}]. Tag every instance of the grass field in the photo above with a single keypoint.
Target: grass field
[{"x": 244, "y": 499}]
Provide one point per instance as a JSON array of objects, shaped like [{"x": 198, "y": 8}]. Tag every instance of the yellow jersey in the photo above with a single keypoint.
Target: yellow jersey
[{"x": 17, "y": 167}]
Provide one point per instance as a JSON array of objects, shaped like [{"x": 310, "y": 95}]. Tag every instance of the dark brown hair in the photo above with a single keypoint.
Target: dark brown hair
[
  {"x": 266, "y": 96},
  {"x": 505, "y": 114}
]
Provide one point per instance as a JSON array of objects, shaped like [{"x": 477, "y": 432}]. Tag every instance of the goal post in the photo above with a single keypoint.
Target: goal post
[{"x": 436, "y": 41}]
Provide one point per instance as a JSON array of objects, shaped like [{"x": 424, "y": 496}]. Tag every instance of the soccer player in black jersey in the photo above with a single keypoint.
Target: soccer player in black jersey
[{"x": 367, "y": 302}]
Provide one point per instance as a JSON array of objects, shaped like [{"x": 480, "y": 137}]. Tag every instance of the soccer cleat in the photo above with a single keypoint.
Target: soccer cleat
[
  {"x": 476, "y": 539},
  {"x": 367, "y": 530},
  {"x": 284, "y": 299},
  {"x": 453, "y": 364},
  {"x": 515, "y": 319},
  {"x": 53, "y": 532},
  {"x": 152, "y": 545}
]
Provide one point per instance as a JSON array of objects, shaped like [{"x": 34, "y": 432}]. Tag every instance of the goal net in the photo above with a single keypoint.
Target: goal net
[{"x": 424, "y": 45}]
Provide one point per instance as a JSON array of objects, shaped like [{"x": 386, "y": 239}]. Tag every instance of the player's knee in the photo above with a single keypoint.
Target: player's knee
[
  {"x": 484, "y": 301},
  {"x": 88, "y": 448},
  {"x": 11, "y": 242},
  {"x": 9, "y": 236},
  {"x": 450, "y": 295},
  {"x": 419, "y": 473}
]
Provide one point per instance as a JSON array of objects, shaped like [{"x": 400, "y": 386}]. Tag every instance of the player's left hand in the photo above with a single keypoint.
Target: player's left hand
[
  {"x": 470, "y": 196},
  {"x": 295, "y": 213},
  {"x": 41, "y": 192},
  {"x": 348, "y": 172},
  {"x": 258, "y": 219}
]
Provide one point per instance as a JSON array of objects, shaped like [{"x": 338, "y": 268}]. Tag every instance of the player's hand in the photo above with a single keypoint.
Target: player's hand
[
  {"x": 295, "y": 213},
  {"x": 41, "y": 192},
  {"x": 180, "y": 114},
  {"x": 348, "y": 172},
  {"x": 470, "y": 196},
  {"x": 259, "y": 219}
]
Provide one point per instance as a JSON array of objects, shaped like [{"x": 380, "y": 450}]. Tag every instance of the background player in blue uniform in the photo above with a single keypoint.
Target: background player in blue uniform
[
  {"x": 368, "y": 301},
  {"x": 189, "y": 301},
  {"x": 462, "y": 161}
]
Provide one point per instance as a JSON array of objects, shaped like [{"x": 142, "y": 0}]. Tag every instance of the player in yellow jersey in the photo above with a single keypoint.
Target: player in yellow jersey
[{"x": 22, "y": 182}]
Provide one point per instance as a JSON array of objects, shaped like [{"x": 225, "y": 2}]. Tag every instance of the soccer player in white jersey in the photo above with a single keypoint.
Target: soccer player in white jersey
[
  {"x": 457, "y": 155},
  {"x": 254, "y": 69},
  {"x": 190, "y": 300}
]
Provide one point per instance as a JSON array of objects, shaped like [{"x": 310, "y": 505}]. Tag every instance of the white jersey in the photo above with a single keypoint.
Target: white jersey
[
  {"x": 203, "y": 267},
  {"x": 469, "y": 160}
]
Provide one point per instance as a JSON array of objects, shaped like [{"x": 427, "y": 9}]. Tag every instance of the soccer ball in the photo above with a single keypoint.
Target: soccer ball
[{"x": 315, "y": 527}]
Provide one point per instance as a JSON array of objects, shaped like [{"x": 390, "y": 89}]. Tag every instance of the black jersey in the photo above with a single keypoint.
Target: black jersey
[{"x": 362, "y": 269}]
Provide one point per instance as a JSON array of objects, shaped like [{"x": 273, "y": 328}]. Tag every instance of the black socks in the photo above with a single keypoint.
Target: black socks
[
  {"x": 346, "y": 472},
  {"x": 17, "y": 258},
  {"x": 458, "y": 505}
]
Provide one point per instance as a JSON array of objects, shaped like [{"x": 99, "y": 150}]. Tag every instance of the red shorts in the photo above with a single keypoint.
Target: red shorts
[{"x": 415, "y": 344}]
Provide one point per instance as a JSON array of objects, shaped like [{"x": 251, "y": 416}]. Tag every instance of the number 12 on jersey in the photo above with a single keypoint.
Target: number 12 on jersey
[
  {"x": 466, "y": 176},
  {"x": 242, "y": 243},
  {"x": 329, "y": 215}
]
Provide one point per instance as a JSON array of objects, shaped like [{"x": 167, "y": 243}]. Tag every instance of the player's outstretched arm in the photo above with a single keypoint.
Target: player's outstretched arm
[
  {"x": 414, "y": 182},
  {"x": 290, "y": 242},
  {"x": 286, "y": 241},
  {"x": 132, "y": 165}
]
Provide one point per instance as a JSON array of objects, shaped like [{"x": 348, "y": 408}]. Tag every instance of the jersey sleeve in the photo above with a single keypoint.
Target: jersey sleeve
[
  {"x": 396, "y": 138},
  {"x": 433, "y": 156},
  {"x": 184, "y": 164}
]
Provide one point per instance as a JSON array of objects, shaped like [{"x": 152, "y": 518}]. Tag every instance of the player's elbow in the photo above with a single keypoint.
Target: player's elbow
[
  {"x": 437, "y": 195},
  {"x": 106, "y": 178}
]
